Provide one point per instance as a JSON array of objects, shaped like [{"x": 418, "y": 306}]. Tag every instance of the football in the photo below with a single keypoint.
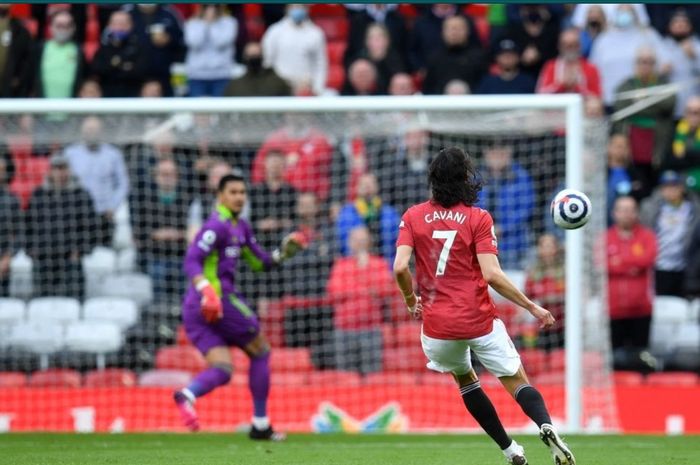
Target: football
[{"x": 571, "y": 209}]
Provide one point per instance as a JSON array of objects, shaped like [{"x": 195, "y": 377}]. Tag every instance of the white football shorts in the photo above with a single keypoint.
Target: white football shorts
[{"x": 495, "y": 351}]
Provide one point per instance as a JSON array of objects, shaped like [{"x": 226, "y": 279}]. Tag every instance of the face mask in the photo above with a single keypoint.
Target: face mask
[
  {"x": 624, "y": 19},
  {"x": 254, "y": 63},
  {"x": 61, "y": 35},
  {"x": 298, "y": 15},
  {"x": 118, "y": 35}
]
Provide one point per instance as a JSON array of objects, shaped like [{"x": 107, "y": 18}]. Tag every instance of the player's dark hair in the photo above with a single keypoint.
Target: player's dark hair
[
  {"x": 453, "y": 179},
  {"x": 231, "y": 177}
]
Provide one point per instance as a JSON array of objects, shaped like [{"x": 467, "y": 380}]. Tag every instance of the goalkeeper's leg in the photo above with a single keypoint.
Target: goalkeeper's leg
[{"x": 259, "y": 384}]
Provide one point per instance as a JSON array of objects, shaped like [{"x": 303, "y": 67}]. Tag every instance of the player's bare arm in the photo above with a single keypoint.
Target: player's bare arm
[
  {"x": 497, "y": 279},
  {"x": 402, "y": 274}
]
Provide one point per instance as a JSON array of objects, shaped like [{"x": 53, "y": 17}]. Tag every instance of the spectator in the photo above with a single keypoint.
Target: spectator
[
  {"x": 384, "y": 15},
  {"x": 100, "y": 169},
  {"x": 41, "y": 12},
  {"x": 210, "y": 38},
  {"x": 380, "y": 52},
  {"x": 684, "y": 155},
  {"x": 90, "y": 88},
  {"x": 536, "y": 37},
  {"x": 120, "y": 62},
  {"x": 15, "y": 56},
  {"x": 582, "y": 12},
  {"x": 508, "y": 79},
  {"x": 258, "y": 81},
  {"x": 614, "y": 50},
  {"x": 59, "y": 62},
  {"x": 672, "y": 213},
  {"x": 361, "y": 79},
  {"x": 683, "y": 48},
  {"x": 296, "y": 49},
  {"x": 308, "y": 156},
  {"x": 508, "y": 194},
  {"x": 648, "y": 129},
  {"x": 360, "y": 286},
  {"x": 457, "y": 87},
  {"x": 692, "y": 272},
  {"x": 631, "y": 251},
  {"x": 10, "y": 222},
  {"x": 461, "y": 58},
  {"x": 369, "y": 210},
  {"x": 272, "y": 202},
  {"x": 159, "y": 225},
  {"x": 569, "y": 72},
  {"x": 595, "y": 24},
  {"x": 159, "y": 32},
  {"x": 402, "y": 84},
  {"x": 545, "y": 284},
  {"x": 151, "y": 89},
  {"x": 623, "y": 177},
  {"x": 60, "y": 229}
]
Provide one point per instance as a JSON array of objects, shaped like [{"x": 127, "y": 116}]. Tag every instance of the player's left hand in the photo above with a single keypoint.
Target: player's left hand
[
  {"x": 292, "y": 244},
  {"x": 415, "y": 306}
]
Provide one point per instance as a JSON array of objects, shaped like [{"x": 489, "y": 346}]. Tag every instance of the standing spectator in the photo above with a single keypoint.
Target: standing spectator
[
  {"x": 631, "y": 251},
  {"x": 43, "y": 11},
  {"x": 296, "y": 49},
  {"x": 361, "y": 79},
  {"x": 142, "y": 159},
  {"x": 684, "y": 155},
  {"x": 10, "y": 222},
  {"x": 614, "y": 50},
  {"x": 382, "y": 54},
  {"x": 15, "y": 56},
  {"x": 60, "y": 230},
  {"x": 623, "y": 177},
  {"x": 582, "y": 12},
  {"x": 595, "y": 24},
  {"x": 360, "y": 286},
  {"x": 508, "y": 194},
  {"x": 536, "y": 35},
  {"x": 59, "y": 62},
  {"x": 648, "y": 129},
  {"x": 402, "y": 84},
  {"x": 369, "y": 210},
  {"x": 159, "y": 224},
  {"x": 461, "y": 58},
  {"x": 508, "y": 79},
  {"x": 120, "y": 62},
  {"x": 569, "y": 72},
  {"x": 385, "y": 15},
  {"x": 159, "y": 31},
  {"x": 673, "y": 214},
  {"x": 210, "y": 38},
  {"x": 100, "y": 169},
  {"x": 683, "y": 48},
  {"x": 258, "y": 81}
]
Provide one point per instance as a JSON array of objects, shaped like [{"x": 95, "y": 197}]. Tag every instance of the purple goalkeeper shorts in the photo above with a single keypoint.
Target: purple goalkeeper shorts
[{"x": 238, "y": 327}]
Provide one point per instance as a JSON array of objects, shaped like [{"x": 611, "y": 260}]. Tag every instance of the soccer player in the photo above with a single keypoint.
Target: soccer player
[
  {"x": 456, "y": 261},
  {"x": 214, "y": 313}
]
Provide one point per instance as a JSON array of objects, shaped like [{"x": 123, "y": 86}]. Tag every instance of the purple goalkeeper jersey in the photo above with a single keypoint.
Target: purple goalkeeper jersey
[{"x": 216, "y": 248}]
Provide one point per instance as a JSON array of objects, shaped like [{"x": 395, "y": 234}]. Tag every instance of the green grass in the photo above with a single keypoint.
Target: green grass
[{"x": 236, "y": 449}]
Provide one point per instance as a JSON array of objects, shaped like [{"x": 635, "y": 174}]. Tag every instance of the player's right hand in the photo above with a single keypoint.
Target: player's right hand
[
  {"x": 415, "y": 306},
  {"x": 543, "y": 316},
  {"x": 212, "y": 310}
]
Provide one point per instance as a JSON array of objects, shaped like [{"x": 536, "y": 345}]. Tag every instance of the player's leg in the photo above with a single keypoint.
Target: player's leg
[{"x": 454, "y": 357}]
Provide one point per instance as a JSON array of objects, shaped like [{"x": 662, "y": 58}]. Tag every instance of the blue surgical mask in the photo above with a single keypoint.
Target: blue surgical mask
[
  {"x": 298, "y": 15},
  {"x": 624, "y": 19},
  {"x": 118, "y": 35}
]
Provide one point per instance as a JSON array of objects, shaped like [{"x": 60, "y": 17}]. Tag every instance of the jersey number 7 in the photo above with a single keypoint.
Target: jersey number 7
[{"x": 449, "y": 238}]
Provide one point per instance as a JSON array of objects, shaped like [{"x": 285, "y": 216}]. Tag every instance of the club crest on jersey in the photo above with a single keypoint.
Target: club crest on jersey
[
  {"x": 232, "y": 251},
  {"x": 445, "y": 215}
]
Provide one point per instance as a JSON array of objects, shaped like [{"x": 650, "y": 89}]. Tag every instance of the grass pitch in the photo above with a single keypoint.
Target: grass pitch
[{"x": 236, "y": 449}]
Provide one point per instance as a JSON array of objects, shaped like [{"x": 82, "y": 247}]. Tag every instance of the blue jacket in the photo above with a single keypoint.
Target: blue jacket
[{"x": 349, "y": 218}]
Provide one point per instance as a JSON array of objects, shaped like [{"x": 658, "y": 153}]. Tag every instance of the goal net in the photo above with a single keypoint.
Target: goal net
[{"x": 109, "y": 194}]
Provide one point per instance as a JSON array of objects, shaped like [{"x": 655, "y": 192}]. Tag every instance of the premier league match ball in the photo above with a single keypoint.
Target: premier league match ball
[{"x": 571, "y": 209}]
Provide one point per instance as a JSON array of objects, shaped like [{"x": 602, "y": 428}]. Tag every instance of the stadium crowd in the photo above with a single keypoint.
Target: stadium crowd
[{"x": 620, "y": 58}]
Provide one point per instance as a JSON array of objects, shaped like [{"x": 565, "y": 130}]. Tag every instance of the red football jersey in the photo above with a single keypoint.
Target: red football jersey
[{"x": 445, "y": 241}]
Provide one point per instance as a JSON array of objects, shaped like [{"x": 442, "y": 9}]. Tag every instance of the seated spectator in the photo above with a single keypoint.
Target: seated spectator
[
  {"x": 595, "y": 24},
  {"x": 623, "y": 177},
  {"x": 159, "y": 225},
  {"x": 59, "y": 62},
  {"x": 151, "y": 89},
  {"x": 210, "y": 38},
  {"x": 545, "y": 284},
  {"x": 683, "y": 48},
  {"x": 508, "y": 194},
  {"x": 648, "y": 129},
  {"x": 61, "y": 229},
  {"x": 308, "y": 155},
  {"x": 360, "y": 287},
  {"x": 536, "y": 35},
  {"x": 461, "y": 58},
  {"x": 508, "y": 78},
  {"x": 100, "y": 169},
  {"x": 692, "y": 271},
  {"x": 258, "y": 81},
  {"x": 631, "y": 251},
  {"x": 684, "y": 155},
  {"x": 15, "y": 68},
  {"x": 296, "y": 49},
  {"x": 121, "y": 63},
  {"x": 569, "y": 72},
  {"x": 10, "y": 220},
  {"x": 457, "y": 87},
  {"x": 90, "y": 88},
  {"x": 672, "y": 213},
  {"x": 369, "y": 210},
  {"x": 402, "y": 84},
  {"x": 158, "y": 28},
  {"x": 362, "y": 17},
  {"x": 380, "y": 52},
  {"x": 361, "y": 79}
]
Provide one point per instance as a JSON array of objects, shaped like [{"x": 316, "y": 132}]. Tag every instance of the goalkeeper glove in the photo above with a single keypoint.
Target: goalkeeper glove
[
  {"x": 212, "y": 310},
  {"x": 291, "y": 245}
]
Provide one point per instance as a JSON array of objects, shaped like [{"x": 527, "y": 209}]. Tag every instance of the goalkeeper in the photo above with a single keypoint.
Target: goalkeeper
[{"x": 215, "y": 315}]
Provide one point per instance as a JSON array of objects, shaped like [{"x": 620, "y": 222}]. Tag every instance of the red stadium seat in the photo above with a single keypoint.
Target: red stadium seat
[
  {"x": 534, "y": 361},
  {"x": 408, "y": 334},
  {"x": 32, "y": 26},
  {"x": 336, "y": 77},
  {"x": 182, "y": 339},
  {"x": 391, "y": 379},
  {"x": 410, "y": 358},
  {"x": 290, "y": 360},
  {"x": 680, "y": 378},
  {"x": 241, "y": 362},
  {"x": 556, "y": 379},
  {"x": 557, "y": 360},
  {"x": 327, "y": 9},
  {"x": 483, "y": 29},
  {"x": 89, "y": 49},
  {"x": 334, "y": 28},
  {"x": 55, "y": 377},
  {"x": 628, "y": 378},
  {"x": 477, "y": 10},
  {"x": 335, "y": 51},
  {"x": 10, "y": 379},
  {"x": 335, "y": 378},
  {"x": 92, "y": 30},
  {"x": 165, "y": 378},
  {"x": 284, "y": 379},
  {"x": 252, "y": 10},
  {"x": 185, "y": 358},
  {"x": 255, "y": 27},
  {"x": 408, "y": 11},
  {"x": 433, "y": 378},
  {"x": 388, "y": 336},
  {"x": 111, "y": 377}
]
